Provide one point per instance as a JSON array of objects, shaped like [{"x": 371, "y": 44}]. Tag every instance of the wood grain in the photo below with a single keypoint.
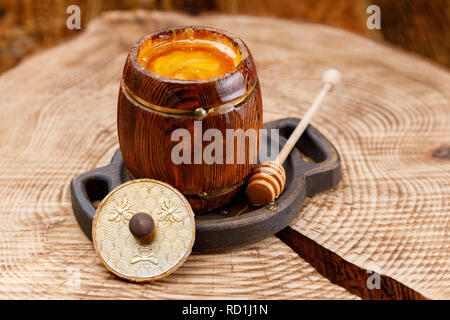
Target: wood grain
[
  {"x": 419, "y": 26},
  {"x": 389, "y": 119},
  {"x": 60, "y": 120},
  {"x": 27, "y": 26}
]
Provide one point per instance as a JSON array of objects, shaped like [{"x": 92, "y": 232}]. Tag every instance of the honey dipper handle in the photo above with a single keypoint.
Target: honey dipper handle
[{"x": 330, "y": 79}]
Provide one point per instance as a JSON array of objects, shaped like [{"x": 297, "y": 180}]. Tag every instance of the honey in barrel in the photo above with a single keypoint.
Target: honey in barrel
[
  {"x": 195, "y": 79},
  {"x": 190, "y": 59}
]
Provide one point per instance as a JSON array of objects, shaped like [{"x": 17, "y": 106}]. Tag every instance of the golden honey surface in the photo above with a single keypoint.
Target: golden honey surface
[{"x": 190, "y": 59}]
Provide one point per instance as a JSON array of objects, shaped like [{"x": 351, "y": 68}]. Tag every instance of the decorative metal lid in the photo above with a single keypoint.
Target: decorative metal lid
[{"x": 143, "y": 230}]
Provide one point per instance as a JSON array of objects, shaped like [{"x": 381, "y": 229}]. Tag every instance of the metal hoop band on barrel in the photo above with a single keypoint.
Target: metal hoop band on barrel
[
  {"x": 206, "y": 195},
  {"x": 197, "y": 114}
]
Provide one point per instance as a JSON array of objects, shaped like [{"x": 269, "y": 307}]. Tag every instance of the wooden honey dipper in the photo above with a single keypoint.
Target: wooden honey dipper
[{"x": 268, "y": 179}]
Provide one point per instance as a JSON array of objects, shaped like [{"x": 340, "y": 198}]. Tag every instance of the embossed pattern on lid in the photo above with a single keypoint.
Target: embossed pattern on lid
[{"x": 172, "y": 241}]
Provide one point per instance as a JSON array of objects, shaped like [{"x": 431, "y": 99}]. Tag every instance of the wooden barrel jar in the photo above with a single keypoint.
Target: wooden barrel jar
[{"x": 152, "y": 106}]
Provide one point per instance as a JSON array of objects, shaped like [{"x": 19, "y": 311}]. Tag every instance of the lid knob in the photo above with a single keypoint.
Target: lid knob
[{"x": 142, "y": 226}]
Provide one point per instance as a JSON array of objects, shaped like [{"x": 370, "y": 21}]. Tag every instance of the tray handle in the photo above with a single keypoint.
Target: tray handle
[{"x": 92, "y": 186}]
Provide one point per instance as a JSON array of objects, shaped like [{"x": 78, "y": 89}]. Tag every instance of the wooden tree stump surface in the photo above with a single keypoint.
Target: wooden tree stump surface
[{"x": 389, "y": 119}]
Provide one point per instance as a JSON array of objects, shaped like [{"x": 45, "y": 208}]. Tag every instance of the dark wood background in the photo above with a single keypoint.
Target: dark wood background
[{"x": 420, "y": 26}]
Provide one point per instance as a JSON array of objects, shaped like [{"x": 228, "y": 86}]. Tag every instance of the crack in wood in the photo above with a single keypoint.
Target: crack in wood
[{"x": 343, "y": 273}]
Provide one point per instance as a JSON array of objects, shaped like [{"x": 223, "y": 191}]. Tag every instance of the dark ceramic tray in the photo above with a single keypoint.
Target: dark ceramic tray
[{"x": 238, "y": 223}]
